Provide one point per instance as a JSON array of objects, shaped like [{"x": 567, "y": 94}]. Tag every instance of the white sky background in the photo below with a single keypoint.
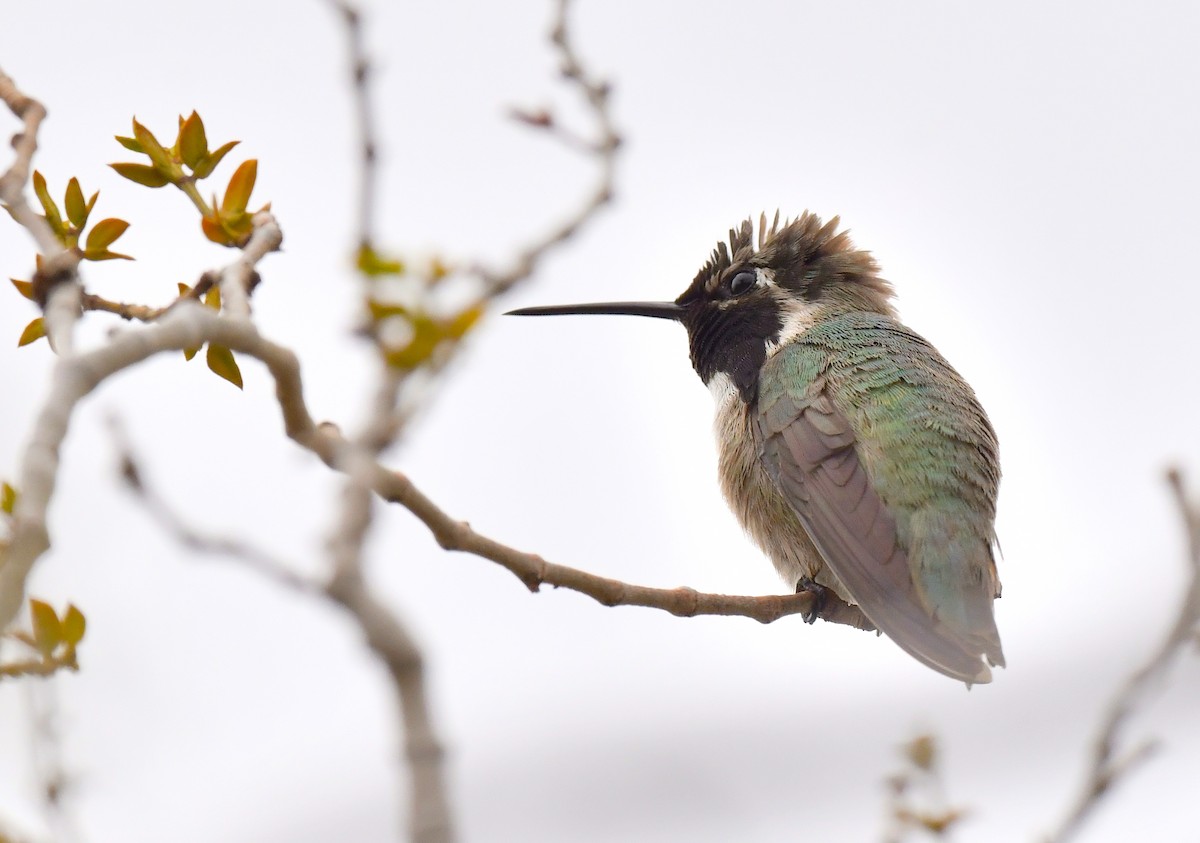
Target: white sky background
[{"x": 1026, "y": 176}]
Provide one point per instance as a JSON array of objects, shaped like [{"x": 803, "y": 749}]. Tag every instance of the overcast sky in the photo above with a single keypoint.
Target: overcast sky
[{"x": 1025, "y": 173}]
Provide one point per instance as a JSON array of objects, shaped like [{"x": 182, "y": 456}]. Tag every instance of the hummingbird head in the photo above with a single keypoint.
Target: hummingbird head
[{"x": 751, "y": 298}]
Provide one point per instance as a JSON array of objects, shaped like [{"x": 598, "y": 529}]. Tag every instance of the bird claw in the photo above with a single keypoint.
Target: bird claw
[{"x": 820, "y": 597}]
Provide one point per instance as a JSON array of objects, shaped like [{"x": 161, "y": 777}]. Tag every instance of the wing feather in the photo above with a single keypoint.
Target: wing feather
[{"x": 809, "y": 449}]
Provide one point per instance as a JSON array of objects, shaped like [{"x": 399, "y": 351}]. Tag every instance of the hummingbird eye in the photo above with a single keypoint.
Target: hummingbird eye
[{"x": 742, "y": 282}]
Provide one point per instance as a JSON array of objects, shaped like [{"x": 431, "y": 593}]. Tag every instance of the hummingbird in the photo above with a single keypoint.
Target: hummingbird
[{"x": 856, "y": 458}]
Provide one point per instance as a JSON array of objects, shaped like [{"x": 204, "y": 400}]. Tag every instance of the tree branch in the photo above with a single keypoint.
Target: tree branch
[{"x": 1107, "y": 768}]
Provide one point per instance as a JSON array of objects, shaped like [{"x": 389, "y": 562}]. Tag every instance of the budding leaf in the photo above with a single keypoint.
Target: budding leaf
[
  {"x": 34, "y": 331},
  {"x": 76, "y": 207},
  {"x": 53, "y": 217},
  {"x": 74, "y": 625},
  {"x": 105, "y": 233},
  {"x": 463, "y": 322},
  {"x": 213, "y": 231},
  {"x": 204, "y": 168},
  {"x": 130, "y": 144},
  {"x": 25, "y": 288},
  {"x": 220, "y": 360},
  {"x": 237, "y": 195},
  {"x": 47, "y": 631},
  {"x": 151, "y": 147},
  {"x": 372, "y": 264},
  {"x": 193, "y": 144},
  {"x": 141, "y": 173},
  {"x": 385, "y": 310},
  {"x": 8, "y": 498}
]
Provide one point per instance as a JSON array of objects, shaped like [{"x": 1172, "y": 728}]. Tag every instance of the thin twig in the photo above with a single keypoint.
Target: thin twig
[
  {"x": 56, "y": 783},
  {"x": 1107, "y": 768},
  {"x": 364, "y": 115},
  {"x": 144, "y": 313},
  {"x": 603, "y": 147},
  {"x": 193, "y": 538}
]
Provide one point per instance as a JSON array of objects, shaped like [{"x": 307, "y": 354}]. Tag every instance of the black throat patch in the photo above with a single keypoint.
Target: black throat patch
[{"x": 732, "y": 341}]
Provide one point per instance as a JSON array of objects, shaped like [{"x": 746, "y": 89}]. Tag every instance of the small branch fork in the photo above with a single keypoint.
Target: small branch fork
[
  {"x": 603, "y": 148},
  {"x": 1108, "y": 764}
]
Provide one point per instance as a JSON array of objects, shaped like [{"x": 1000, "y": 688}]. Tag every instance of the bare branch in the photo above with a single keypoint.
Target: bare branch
[
  {"x": 1107, "y": 768},
  {"x": 56, "y": 783},
  {"x": 145, "y": 313},
  {"x": 428, "y": 810},
  {"x": 56, "y": 284},
  {"x": 12, "y": 183},
  {"x": 603, "y": 148},
  {"x": 360, "y": 69},
  {"x": 195, "y": 539}
]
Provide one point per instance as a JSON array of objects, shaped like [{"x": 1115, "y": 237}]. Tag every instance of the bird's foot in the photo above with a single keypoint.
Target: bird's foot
[{"x": 820, "y": 594}]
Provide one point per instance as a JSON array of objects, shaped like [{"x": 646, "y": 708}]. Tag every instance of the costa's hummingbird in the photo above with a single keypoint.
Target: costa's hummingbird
[{"x": 857, "y": 459}]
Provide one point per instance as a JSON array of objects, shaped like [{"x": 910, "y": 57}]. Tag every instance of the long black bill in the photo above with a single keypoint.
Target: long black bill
[{"x": 655, "y": 309}]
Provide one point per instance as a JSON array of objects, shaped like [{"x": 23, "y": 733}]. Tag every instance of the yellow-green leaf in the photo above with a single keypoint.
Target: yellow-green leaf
[
  {"x": 463, "y": 322},
  {"x": 74, "y": 625},
  {"x": 151, "y": 147},
  {"x": 212, "y": 297},
  {"x": 105, "y": 233},
  {"x": 204, "y": 168},
  {"x": 241, "y": 184},
  {"x": 385, "y": 310},
  {"x": 193, "y": 145},
  {"x": 76, "y": 207},
  {"x": 91, "y": 203},
  {"x": 373, "y": 264},
  {"x": 35, "y": 330},
  {"x": 47, "y": 631},
  {"x": 53, "y": 217},
  {"x": 213, "y": 231},
  {"x": 130, "y": 144},
  {"x": 25, "y": 288},
  {"x": 220, "y": 360},
  {"x": 141, "y": 173},
  {"x": 105, "y": 255},
  {"x": 8, "y": 498},
  {"x": 237, "y": 227}
]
